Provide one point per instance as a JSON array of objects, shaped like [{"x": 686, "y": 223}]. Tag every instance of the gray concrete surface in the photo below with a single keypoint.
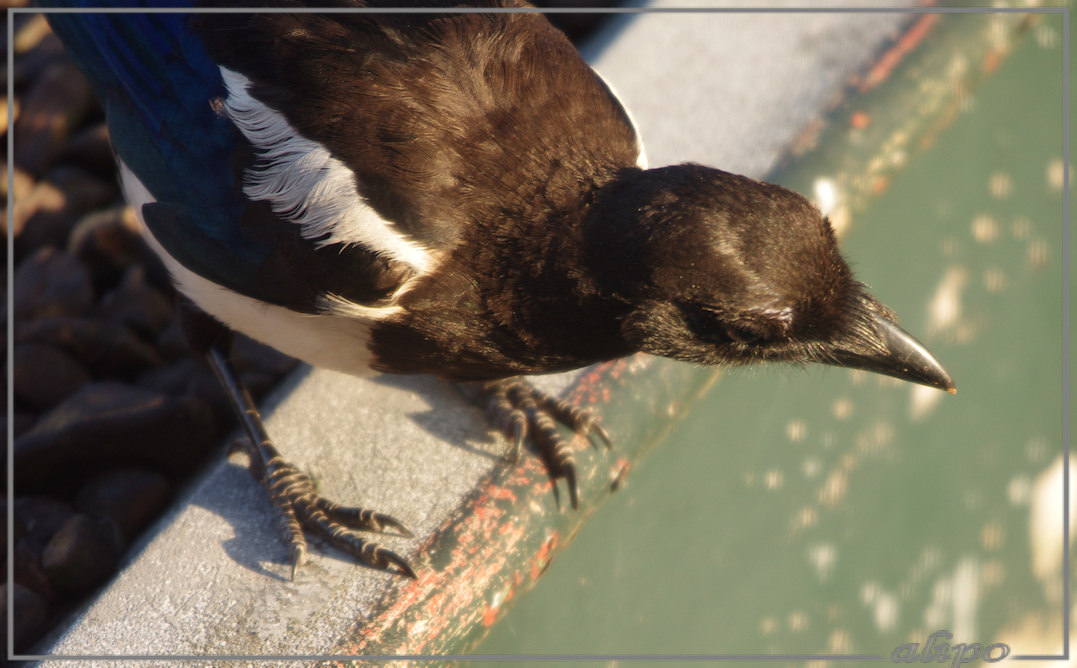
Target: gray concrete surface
[{"x": 729, "y": 90}]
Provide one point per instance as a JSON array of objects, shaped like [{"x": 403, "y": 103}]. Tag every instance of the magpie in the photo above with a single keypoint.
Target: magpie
[{"x": 448, "y": 193}]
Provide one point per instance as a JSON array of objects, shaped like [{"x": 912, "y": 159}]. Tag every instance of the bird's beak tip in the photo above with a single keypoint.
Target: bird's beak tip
[{"x": 904, "y": 358}]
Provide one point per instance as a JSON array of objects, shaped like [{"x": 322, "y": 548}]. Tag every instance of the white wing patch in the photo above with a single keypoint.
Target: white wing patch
[
  {"x": 335, "y": 341},
  {"x": 306, "y": 185}
]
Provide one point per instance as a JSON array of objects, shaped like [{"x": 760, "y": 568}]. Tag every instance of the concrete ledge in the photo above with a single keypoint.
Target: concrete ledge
[{"x": 729, "y": 90}]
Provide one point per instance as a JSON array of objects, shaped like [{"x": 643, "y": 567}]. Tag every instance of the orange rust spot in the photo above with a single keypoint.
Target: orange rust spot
[
  {"x": 542, "y": 557},
  {"x": 991, "y": 61},
  {"x": 906, "y": 43},
  {"x": 502, "y": 493},
  {"x": 879, "y": 185},
  {"x": 860, "y": 120},
  {"x": 489, "y": 615}
]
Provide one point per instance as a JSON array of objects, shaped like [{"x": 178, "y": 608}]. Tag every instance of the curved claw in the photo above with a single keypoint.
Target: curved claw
[
  {"x": 358, "y": 518},
  {"x": 569, "y": 473},
  {"x": 603, "y": 435},
  {"x": 388, "y": 558},
  {"x": 519, "y": 411},
  {"x": 299, "y": 555},
  {"x": 390, "y": 522},
  {"x": 519, "y": 432}
]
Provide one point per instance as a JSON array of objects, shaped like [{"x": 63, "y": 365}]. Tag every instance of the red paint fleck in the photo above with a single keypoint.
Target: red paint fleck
[
  {"x": 502, "y": 493},
  {"x": 906, "y": 43},
  {"x": 489, "y": 615},
  {"x": 542, "y": 558},
  {"x": 860, "y": 120}
]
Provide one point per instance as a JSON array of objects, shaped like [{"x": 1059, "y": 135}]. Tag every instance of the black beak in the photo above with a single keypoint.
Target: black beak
[{"x": 902, "y": 357}]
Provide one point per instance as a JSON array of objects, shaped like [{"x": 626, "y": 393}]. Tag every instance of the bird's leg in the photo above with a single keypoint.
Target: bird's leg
[
  {"x": 292, "y": 492},
  {"x": 518, "y": 410}
]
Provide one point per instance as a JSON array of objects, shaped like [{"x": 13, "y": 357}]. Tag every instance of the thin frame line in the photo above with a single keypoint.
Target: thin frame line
[
  {"x": 461, "y": 657},
  {"x": 1066, "y": 189},
  {"x": 537, "y": 10},
  {"x": 1064, "y": 11},
  {"x": 9, "y": 349}
]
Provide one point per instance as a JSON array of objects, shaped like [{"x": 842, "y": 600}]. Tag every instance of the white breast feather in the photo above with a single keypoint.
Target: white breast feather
[{"x": 305, "y": 184}]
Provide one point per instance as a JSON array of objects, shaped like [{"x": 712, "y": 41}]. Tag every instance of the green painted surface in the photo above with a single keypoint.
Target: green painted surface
[{"x": 819, "y": 511}]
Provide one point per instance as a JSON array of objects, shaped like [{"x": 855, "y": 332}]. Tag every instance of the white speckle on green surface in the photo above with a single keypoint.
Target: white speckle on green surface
[
  {"x": 1039, "y": 252},
  {"x": 842, "y": 408},
  {"x": 796, "y": 430},
  {"x": 923, "y": 401},
  {"x": 883, "y": 605},
  {"x": 823, "y": 557},
  {"x": 773, "y": 479},
  {"x": 1021, "y": 227},
  {"x": 1000, "y": 185},
  {"x": 1019, "y": 490},
  {"x": 994, "y": 280},
  {"x": 944, "y": 309},
  {"x": 1045, "y": 521},
  {"x": 984, "y": 228}
]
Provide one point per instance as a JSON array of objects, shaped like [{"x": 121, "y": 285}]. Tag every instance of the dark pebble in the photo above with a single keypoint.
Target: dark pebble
[
  {"x": 108, "y": 242},
  {"x": 21, "y": 422},
  {"x": 44, "y": 376},
  {"x": 112, "y": 423},
  {"x": 21, "y": 183},
  {"x": 49, "y": 213},
  {"x": 172, "y": 341},
  {"x": 31, "y": 614},
  {"x": 89, "y": 149},
  {"x": 129, "y": 497},
  {"x": 56, "y": 103},
  {"x": 106, "y": 348},
  {"x": 29, "y": 31},
  {"x": 137, "y": 304},
  {"x": 191, "y": 377},
  {"x": 51, "y": 283},
  {"x": 28, "y": 573},
  {"x": 42, "y": 200},
  {"x": 37, "y": 59},
  {"x": 40, "y": 518},
  {"x": 83, "y": 553}
]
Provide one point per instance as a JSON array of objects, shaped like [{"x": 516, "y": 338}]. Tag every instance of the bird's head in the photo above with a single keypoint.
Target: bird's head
[{"x": 716, "y": 268}]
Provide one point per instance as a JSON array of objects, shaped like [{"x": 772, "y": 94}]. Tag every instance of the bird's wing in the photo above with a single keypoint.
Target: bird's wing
[
  {"x": 447, "y": 122},
  {"x": 298, "y": 155},
  {"x": 162, "y": 95}
]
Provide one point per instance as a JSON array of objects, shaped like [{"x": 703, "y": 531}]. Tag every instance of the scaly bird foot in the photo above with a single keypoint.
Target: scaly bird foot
[
  {"x": 298, "y": 506},
  {"x": 518, "y": 409},
  {"x": 293, "y": 493}
]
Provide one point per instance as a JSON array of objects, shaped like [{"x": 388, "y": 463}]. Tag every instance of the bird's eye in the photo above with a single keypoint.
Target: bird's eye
[{"x": 741, "y": 335}]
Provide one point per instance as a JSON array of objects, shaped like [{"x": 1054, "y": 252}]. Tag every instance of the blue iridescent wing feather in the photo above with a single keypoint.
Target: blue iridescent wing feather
[{"x": 156, "y": 82}]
